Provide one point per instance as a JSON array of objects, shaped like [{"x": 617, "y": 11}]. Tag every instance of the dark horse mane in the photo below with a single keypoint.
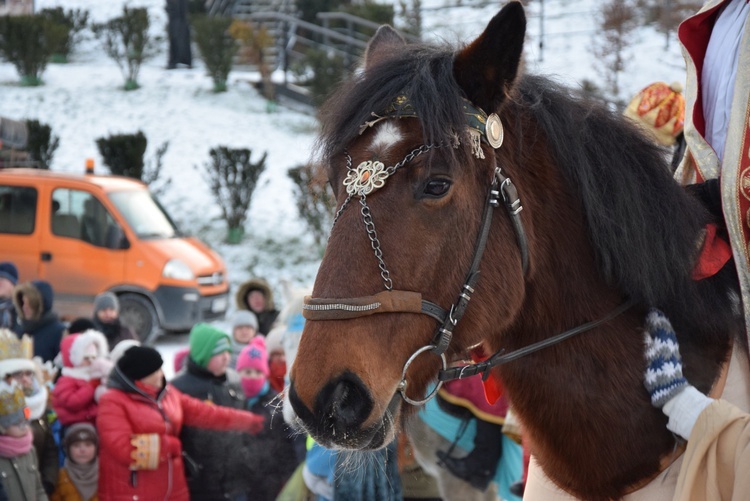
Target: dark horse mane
[{"x": 644, "y": 227}]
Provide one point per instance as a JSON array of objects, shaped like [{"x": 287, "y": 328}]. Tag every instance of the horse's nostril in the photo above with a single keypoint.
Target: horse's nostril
[{"x": 345, "y": 403}]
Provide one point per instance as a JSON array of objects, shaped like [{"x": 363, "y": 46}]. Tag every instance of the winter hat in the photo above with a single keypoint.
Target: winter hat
[
  {"x": 180, "y": 357},
  {"x": 254, "y": 356},
  {"x": 106, "y": 300},
  {"x": 80, "y": 325},
  {"x": 80, "y": 432},
  {"x": 274, "y": 338},
  {"x": 244, "y": 317},
  {"x": 207, "y": 341},
  {"x": 15, "y": 354},
  {"x": 120, "y": 348},
  {"x": 13, "y": 408},
  {"x": 74, "y": 347},
  {"x": 37, "y": 295},
  {"x": 139, "y": 361},
  {"x": 660, "y": 110},
  {"x": 47, "y": 293},
  {"x": 9, "y": 271}
]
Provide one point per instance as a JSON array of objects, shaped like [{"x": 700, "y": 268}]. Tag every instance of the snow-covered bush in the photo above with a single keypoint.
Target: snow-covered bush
[
  {"x": 123, "y": 153},
  {"x": 232, "y": 177},
  {"x": 25, "y": 41},
  {"x": 41, "y": 144},
  {"x": 63, "y": 40},
  {"x": 216, "y": 46},
  {"x": 127, "y": 41},
  {"x": 314, "y": 199}
]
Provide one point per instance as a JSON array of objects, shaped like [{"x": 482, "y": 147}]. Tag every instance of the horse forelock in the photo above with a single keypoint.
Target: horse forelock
[{"x": 421, "y": 72}]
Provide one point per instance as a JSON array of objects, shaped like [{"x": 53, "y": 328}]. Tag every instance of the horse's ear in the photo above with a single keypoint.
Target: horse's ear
[
  {"x": 381, "y": 45},
  {"x": 486, "y": 69}
]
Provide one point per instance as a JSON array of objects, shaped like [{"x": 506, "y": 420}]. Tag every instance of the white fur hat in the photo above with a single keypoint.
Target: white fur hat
[{"x": 73, "y": 347}]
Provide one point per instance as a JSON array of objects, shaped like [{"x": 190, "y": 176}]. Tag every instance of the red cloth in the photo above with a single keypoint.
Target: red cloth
[
  {"x": 470, "y": 393},
  {"x": 714, "y": 255},
  {"x": 122, "y": 415},
  {"x": 73, "y": 401},
  {"x": 493, "y": 386}
]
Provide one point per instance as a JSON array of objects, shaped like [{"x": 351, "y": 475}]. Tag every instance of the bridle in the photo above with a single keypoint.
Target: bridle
[{"x": 369, "y": 176}]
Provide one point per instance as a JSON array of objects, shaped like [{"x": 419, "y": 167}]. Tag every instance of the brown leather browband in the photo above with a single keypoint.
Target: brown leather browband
[{"x": 383, "y": 302}]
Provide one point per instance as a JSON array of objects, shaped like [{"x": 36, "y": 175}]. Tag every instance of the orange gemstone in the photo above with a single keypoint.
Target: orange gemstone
[{"x": 365, "y": 176}]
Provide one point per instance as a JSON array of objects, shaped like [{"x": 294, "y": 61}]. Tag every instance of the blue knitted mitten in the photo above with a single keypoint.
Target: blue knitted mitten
[{"x": 663, "y": 378}]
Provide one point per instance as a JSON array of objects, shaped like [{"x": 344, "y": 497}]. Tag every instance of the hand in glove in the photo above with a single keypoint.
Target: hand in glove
[
  {"x": 255, "y": 423},
  {"x": 171, "y": 445},
  {"x": 681, "y": 402},
  {"x": 663, "y": 378}
]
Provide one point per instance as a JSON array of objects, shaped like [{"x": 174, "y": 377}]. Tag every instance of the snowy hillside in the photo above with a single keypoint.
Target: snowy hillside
[{"x": 82, "y": 101}]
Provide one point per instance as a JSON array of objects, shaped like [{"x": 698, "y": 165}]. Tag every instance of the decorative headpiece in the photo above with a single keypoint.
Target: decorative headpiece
[
  {"x": 15, "y": 354},
  {"x": 481, "y": 126}
]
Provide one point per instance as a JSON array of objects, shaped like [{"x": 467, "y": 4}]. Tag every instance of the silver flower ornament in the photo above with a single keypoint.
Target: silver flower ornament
[{"x": 366, "y": 178}]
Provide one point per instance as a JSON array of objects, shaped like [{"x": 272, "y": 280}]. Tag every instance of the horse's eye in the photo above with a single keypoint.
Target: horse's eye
[{"x": 437, "y": 187}]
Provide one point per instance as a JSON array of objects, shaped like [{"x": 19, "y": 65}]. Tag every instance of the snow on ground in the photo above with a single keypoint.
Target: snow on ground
[{"x": 83, "y": 100}]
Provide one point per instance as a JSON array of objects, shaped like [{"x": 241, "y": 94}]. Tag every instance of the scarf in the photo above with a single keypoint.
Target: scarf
[
  {"x": 150, "y": 390},
  {"x": 85, "y": 477},
  {"x": 11, "y": 447},
  {"x": 254, "y": 389},
  {"x": 37, "y": 401},
  {"x": 83, "y": 373},
  {"x": 31, "y": 326}
]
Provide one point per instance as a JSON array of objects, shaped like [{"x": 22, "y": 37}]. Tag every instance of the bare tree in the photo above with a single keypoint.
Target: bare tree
[
  {"x": 617, "y": 21},
  {"x": 667, "y": 14}
]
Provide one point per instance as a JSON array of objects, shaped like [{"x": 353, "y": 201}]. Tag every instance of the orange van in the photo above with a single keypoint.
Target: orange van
[{"x": 86, "y": 234}]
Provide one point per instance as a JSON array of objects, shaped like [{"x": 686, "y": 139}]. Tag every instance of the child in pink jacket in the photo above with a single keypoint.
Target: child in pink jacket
[{"x": 85, "y": 367}]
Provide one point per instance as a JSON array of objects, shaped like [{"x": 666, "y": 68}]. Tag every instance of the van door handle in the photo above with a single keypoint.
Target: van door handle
[{"x": 46, "y": 256}]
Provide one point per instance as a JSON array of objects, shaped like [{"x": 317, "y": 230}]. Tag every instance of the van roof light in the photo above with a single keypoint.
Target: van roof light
[{"x": 89, "y": 166}]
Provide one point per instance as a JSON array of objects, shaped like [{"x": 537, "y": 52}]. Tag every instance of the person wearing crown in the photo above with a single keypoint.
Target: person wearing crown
[
  {"x": 18, "y": 471},
  {"x": 16, "y": 365}
]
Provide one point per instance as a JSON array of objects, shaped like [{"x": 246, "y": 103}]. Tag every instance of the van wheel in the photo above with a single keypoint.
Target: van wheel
[{"x": 138, "y": 313}]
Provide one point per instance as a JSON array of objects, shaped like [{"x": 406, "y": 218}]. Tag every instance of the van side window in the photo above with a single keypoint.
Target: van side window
[
  {"x": 17, "y": 209},
  {"x": 78, "y": 214}
]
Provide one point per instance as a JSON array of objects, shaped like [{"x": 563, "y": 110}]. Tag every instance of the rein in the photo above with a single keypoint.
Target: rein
[{"x": 370, "y": 176}]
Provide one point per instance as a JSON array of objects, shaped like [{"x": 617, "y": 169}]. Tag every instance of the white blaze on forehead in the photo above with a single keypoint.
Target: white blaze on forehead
[{"x": 387, "y": 136}]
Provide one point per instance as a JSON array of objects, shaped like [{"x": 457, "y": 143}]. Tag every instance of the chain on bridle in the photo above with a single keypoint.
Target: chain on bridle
[{"x": 369, "y": 176}]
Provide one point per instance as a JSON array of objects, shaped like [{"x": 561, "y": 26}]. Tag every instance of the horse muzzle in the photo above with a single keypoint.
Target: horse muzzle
[{"x": 340, "y": 414}]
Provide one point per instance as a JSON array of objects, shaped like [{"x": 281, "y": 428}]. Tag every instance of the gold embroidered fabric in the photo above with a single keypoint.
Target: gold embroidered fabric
[{"x": 146, "y": 453}]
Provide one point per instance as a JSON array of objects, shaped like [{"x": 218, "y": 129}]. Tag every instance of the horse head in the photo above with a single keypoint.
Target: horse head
[
  {"x": 412, "y": 177},
  {"x": 420, "y": 147}
]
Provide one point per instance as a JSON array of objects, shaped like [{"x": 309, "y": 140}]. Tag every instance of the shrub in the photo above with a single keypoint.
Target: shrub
[
  {"x": 123, "y": 153},
  {"x": 255, "y": 40},
  {"x": 216, "y": 46},
  {"x": 327, "y": 72},
  {"x": 72, "y": 23},
  {"x": 232, "y": 177},
  {"x": 126, "y": 40},
  {"x": 25, "y": 41},
  {"x": 315, "y": 200},
  {"x": 41, "y": 144},
  {"x": 152, "y": 174}
]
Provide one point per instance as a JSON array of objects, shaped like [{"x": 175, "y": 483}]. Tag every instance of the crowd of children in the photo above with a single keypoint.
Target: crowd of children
[{"x": 87, "y": 414}]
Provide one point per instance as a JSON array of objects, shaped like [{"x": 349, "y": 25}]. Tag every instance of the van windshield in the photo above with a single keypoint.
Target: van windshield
[{"x": 144, "y": 214}]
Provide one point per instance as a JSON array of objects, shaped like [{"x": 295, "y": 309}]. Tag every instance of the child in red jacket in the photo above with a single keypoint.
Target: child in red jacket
[{"x": 85, "y": 366}]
